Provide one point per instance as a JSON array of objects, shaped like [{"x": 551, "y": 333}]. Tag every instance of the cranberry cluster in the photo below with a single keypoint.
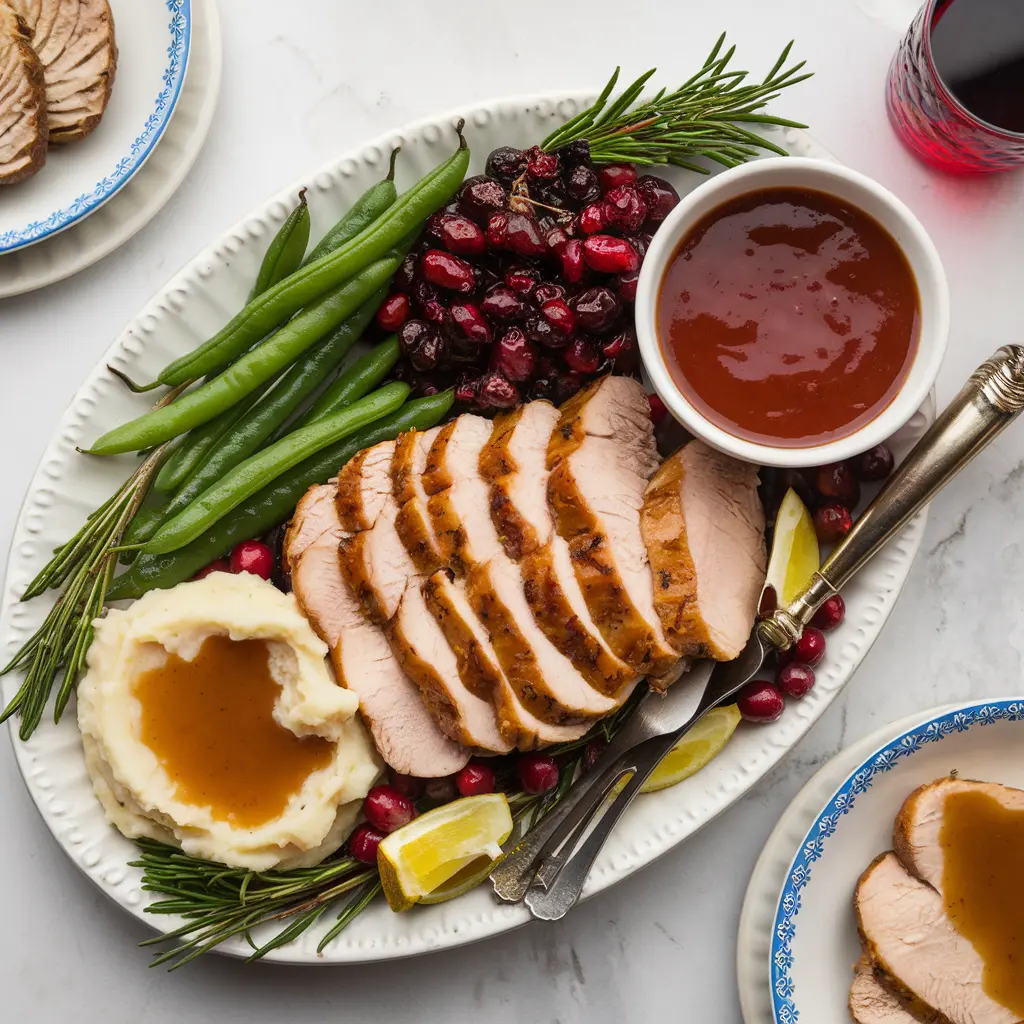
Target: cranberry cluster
[{"x": 523, "y": 286}]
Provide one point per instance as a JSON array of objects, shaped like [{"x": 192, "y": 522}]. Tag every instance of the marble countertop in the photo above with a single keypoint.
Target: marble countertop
[{"x": 314, "y": 78}]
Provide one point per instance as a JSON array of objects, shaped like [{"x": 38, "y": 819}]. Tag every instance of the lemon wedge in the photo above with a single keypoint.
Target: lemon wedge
[
  {"x": 695, "y": 749},
  {"x": 418, "y": 859},
  {"x": 795, "y": 557},
  {"x": 469, "y": 876}
]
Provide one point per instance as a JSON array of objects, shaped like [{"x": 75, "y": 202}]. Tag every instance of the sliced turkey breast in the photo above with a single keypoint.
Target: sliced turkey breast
[
  {"x": 403, "y": 730},
  {"x": 315, "y": 517},
  {"x": 75, "y": 43},
  {"x": 872, "y": 1001},
  {"x": 363, "y": 485},
  {"x": 601, "y": 456},
  {"x": 514, "y": 464},
  {"x": 703, "y": 524},
  {"x": 919, "y": 823},
  {"x": 908, "y": 935},
  {"x": 388, "y": 583},
  {"x": 413, "y": 521},
  {"x": 543, "y": 679},
  {"x": 23, "y": 124}
]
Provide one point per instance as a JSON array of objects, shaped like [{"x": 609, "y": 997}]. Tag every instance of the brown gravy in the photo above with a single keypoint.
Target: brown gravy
[
  {"x": 983, "y": 850},
  {"x": 210, "y": 723}
]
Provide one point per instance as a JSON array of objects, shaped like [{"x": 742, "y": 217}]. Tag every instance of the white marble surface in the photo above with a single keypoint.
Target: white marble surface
[{"x": 308, "y": 79}]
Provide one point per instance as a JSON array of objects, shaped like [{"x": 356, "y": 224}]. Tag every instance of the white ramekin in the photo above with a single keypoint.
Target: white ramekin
[{"x": 855, "y": 189}]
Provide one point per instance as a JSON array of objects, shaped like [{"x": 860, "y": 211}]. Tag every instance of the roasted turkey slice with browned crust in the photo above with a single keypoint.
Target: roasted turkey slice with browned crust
[
  {"x": 389, "y": 586},
  {"x": 413, "y": 520},
  {"x": 873, "y": 1000},
  {"x": 23, "y": 124},
  {"x": 363, "y": 486},
  {"x": 75, "y": 42},
  {"x": 390, "y": 703},
  {"x": 908, "y": 934},
  {"x": 514, "y": 464},
  {"x": 544, "y": 680},
  {"x": 601, "y": 456},
  {"x": 703, "y": 525}
]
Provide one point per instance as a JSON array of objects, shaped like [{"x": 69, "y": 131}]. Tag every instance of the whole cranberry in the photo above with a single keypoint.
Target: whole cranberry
[
  {"x": 838, "y": 482},
  {"x": 475, "y": 779},
  {"x": 481, "y": 196},
  {"x": 505, "y": 164},
  {"x": 252, "y": 556},
  {"x": 386, "y": 809},
  {"x": 795, "y": 680},
  {"x": 501, "y": 303},
  {"x": 445, "y": 270},
  {"x": 523, "y": 236},
  {"x": 626, "y": 210},
  {"x": 572, "y": 261},
  {"x": 412, "y": 335},
  {"x": 559, "y": 315},
  {"x": 592, "y": 751},
  {"x": 405, "y": 275},
  {"x": 441, "y": 791},
  {"x": 596, "y": 309},
  {"x": 810, "y": 648},
  {"x": 832, "y": 522},
  {"x": 514, "y": 356},
  {"x": 408, "y": 785},
  {"x": 582, "y": 184},
  {"x": 466, "y": 388},
  {"x": 610, "y": 255},
  {"x": 614, "y": 175},
  {"x": 496, "y": 392},
  {"x": 626, "y": 286},
  {"x": 471, "y": 320},
  {"x": 539, "y": 330},
  {"x": 661, "y": 198},
  {"x": 436, "y": 313},
  {"x": 548, "y": 291},
  {"x": 461, "y": 236},
  {"x": 593, "y": 218},
  {"x": 622, "y": 351},
  {"x": 220, "y": 565},
  {"x": 875, "y": 464},
  {"x": 658, "y": 409},
  {"x": 522, "y": 280},
  {"x": 575, "y": 153},
  {"x": 830, "y": 614},
  {"x": 582, "y": 356},
  {"x": 537, "y": 773},
  {"x": 497, "y": 230},
  {"x": 393, "y": 312},
  {"x": 363, "y": 843},
  {"x": 761, "y": 701}
]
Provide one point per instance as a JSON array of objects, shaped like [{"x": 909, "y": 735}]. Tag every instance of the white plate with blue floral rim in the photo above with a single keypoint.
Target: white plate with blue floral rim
[
  {"x": 798, "y": 937},
  {"x": 153, "y": 42},
  {"x": 189, "y": 308}
]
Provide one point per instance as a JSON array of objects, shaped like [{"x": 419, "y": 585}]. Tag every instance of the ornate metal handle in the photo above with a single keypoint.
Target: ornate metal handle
[{"x": 985, "y": 406}]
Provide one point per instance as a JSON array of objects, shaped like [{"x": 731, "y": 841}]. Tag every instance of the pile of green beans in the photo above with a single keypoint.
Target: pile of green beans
[{"x": 273, "y": 504}]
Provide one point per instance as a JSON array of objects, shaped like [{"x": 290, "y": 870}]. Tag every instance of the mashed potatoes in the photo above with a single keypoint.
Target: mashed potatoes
[{"x": 138, "y": 787}]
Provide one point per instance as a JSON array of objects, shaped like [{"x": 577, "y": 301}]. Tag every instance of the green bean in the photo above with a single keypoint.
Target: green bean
[
  {"x": 274, "y": 504},
  {"x": 294, "y": 386},
  {"x": 251, "y": 370},
  {"x": 356, "y": 380},
  {"x": 258, "y": 470},
  {"x": 365, "y": 210},
  {"x": 284, "y": 255},
  {"x": 274, "y": 306}
]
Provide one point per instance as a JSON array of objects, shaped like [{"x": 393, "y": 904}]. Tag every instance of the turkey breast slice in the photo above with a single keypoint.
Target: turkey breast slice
[
  {"x": 872, "y": 1001},
  {"x": 23, "y": 124}
]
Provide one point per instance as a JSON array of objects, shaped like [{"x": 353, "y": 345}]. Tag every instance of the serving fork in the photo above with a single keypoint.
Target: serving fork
[{"x": 548, "y": 867}]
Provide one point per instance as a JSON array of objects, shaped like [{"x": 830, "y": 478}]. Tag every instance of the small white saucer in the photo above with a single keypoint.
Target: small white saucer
[
  {"x": 797, "y": 936},
  {"x": 136, "y": 203}
]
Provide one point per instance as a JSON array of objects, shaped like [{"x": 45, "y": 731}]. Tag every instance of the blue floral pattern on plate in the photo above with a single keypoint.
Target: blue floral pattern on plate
[
  {"x": 858, "y": 783},
  {"x": 180, "y": 31}
]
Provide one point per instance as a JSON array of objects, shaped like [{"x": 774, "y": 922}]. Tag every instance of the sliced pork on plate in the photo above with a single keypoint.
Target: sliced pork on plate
[
  {"x": 75, "y": 43},
  {"x": 402, "y": 727},
  {"x": 601, "y": 456},
  {"x": 23, "y": 125},
  {"x": 703, "y": 526}
]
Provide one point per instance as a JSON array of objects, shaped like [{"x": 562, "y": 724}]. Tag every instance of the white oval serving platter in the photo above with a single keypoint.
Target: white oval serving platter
[
  {"x": 194, "y": 304},
  {"x": 137, "y": 202},
  {"x": 798, "y": 934},
  {"x": 153, "y": 41}
]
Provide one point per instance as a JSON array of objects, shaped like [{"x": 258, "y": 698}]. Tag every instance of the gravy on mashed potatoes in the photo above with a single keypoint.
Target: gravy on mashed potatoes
[{"x": 211, "y": 720}]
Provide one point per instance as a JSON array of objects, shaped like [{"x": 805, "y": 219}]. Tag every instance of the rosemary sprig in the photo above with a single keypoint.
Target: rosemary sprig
[
  {"x": 704, "y": 117},
  {"x": 83, "y": 567}
]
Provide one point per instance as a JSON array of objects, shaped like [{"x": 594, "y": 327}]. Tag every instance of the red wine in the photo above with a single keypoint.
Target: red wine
[{"x": 978, "y": 51}]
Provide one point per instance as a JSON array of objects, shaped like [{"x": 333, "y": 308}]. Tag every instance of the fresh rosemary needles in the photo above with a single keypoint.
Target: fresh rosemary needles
[{"x": 704, "y": 117}]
